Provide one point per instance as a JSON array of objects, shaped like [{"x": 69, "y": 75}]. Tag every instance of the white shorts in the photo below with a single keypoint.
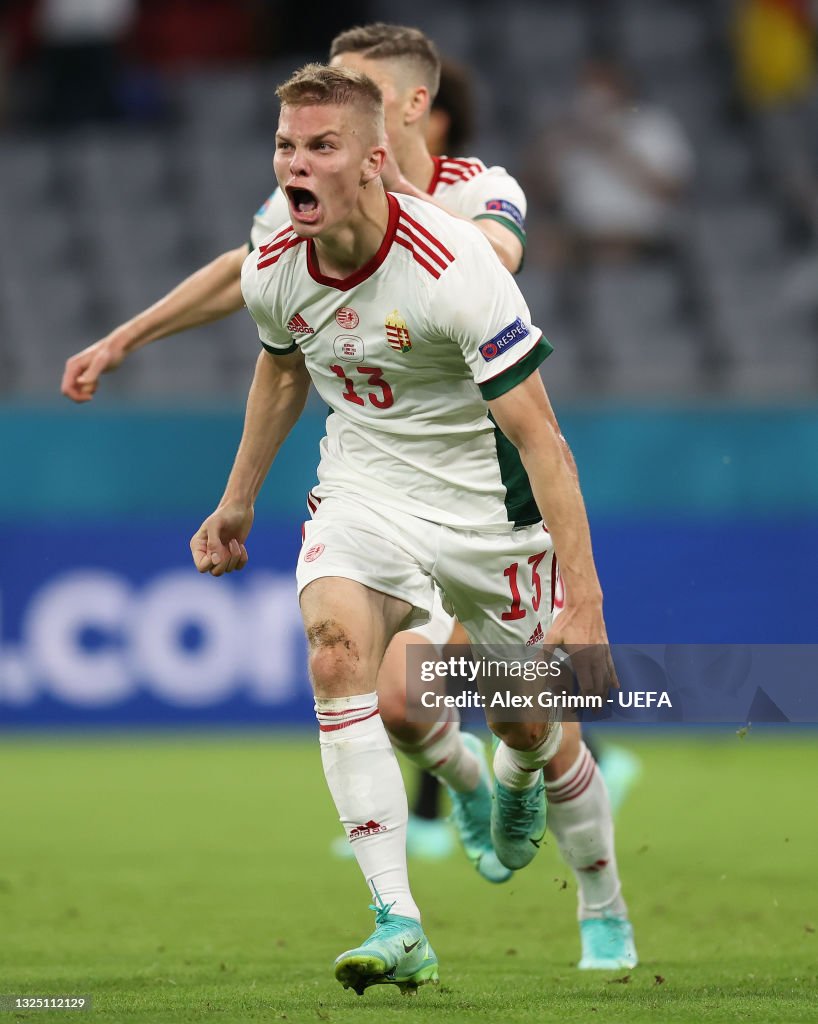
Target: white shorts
[
  {"x": 500, "y": 586},
  {"x": 438, "y": 630}
]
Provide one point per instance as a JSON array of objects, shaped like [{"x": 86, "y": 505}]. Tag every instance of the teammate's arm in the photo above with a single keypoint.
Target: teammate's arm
[
  {"x": 211, "y": 293},
  {"x": 525, "y": 416},
  {"x": 276, "y": 400},
  {"x": 506, "y": 245}
]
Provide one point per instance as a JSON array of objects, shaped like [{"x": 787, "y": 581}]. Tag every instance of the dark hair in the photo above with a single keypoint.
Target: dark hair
[
  {"x": 380, "y": 41},
  {"x": 455, "y": 97}
]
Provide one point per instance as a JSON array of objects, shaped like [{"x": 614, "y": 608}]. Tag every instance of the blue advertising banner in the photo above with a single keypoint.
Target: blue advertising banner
[{"x": 110, "y": 625}]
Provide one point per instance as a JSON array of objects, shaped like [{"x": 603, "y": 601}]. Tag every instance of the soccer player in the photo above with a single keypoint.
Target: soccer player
[
  {"x": 406, "y": 66},
  {"x": 422, "y": 346},
  {"x": 448, "y": 132}
]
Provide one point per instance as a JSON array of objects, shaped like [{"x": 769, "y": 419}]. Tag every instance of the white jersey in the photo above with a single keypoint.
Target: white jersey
[
  {"x": 465, "y": 186},
  {"x": 406, "y": 352}
]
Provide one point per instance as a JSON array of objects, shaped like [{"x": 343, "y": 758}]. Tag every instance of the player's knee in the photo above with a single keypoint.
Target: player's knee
[
  {"x": 520, "y": 735},
  {"x": 334, "y": 660},
  {"x": 568, "y": 753},
  {"x": 408, "y": 734},
  {"x": 392, "y": 704}
]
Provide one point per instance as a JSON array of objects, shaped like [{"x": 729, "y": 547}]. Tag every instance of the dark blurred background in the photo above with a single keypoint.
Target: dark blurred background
[{"x": 670, "y": 156}]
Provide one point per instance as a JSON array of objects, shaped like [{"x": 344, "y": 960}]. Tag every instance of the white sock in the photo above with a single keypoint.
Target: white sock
[
  {"x": 442, "y": 753},
  {"x": 579, "y": 815},
  {"x": 366, "y": 784},
  {"x": 520, "y": 769}
]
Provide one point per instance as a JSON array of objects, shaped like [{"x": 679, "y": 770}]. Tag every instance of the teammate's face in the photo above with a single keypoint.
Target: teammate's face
[
  {"x": 323, "y": 156},
  {"x": 395, "y": 94}
]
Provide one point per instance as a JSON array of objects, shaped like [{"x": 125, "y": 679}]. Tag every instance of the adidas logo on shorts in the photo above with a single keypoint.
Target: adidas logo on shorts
[{"x": 536, "y": 637}]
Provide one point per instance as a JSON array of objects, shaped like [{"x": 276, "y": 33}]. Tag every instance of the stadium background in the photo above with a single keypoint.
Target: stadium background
[
  {"x": 163, "y": 857},
  {"x": 687, "y": 388}
]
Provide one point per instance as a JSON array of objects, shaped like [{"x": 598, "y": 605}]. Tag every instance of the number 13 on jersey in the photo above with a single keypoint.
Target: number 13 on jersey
[{"x": 383, "y": 399}]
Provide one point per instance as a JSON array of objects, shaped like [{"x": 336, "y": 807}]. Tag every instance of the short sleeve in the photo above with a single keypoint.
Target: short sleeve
[
  {"x": 272, "y": 213},
  {"x": 478, "y": 304},
  {"x": 495, "y": 195},
  {"x": 273, "y": 334}
]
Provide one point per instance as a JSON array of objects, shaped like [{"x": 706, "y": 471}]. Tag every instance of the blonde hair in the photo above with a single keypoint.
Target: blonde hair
[{"x": 321, "y": 85}]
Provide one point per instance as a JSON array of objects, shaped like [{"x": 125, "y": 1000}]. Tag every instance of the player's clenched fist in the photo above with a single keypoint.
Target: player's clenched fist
[
  {"x": 218, "y": 545},
  {"x": 83, "y": 370},
  {"x": 580, "y": 632}
]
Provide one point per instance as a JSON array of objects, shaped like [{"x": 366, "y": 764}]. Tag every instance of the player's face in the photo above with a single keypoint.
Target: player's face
[
  {"x": 321, "y": 160},
  {"x": 382, "y": 74}
]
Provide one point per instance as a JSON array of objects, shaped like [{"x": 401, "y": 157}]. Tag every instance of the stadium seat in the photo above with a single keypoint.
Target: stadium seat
[
  {"x": 233, "y": 103},
  {"x": 116, "y": 217},
  {"x": 29, "y": 172},
  {"x": 111, "y": 170},
  {"x": 653, "y": 32}
]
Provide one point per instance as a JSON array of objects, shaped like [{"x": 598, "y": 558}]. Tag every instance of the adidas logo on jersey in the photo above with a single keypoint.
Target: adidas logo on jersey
[{"x": 298, "y": 325}]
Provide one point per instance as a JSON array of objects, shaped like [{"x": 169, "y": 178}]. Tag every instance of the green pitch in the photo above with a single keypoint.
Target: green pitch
[{"x": 178, "y": 880}]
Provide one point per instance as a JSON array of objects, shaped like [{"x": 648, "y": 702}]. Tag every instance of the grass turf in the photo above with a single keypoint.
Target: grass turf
[{"x": 181, "y": 880}]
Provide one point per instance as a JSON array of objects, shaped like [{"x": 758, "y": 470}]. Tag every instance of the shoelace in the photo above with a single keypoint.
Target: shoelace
[
  {"x": 518, "y": 810},
  {"x": 382, "y": 912}
]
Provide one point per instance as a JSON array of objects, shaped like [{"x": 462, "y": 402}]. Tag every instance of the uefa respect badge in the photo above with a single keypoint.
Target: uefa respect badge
[{"x": 503, "y": 341}]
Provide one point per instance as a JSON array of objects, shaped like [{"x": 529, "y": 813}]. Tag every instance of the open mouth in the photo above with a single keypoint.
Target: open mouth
[{"x": 303, "y": 203}]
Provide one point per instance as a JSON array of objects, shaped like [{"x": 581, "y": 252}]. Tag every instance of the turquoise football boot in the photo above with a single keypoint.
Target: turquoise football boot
[
  {"x": 396, "y": 953},
  {"x": 518, "y": 823},
  {"x": 429, "y": 839},
  {"x": 471, "y": 815},
  {"x": 607, "y": 944}
]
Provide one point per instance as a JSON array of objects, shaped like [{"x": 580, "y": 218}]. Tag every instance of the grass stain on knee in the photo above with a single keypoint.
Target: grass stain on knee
[{"x": 329, "y": 633}]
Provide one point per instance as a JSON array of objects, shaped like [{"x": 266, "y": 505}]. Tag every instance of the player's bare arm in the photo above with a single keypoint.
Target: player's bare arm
[
  {"x": 211, "y": 293},
  {"x": 276, "y": 400},
  {"x": 505, "y": 243},
  {"x": 525, "y": 416},
  {"x": 507, "y": 246}
]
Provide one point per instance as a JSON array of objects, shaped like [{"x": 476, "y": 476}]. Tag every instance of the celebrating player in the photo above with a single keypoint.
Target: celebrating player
[
  {"x": 405, "y": 65},
  {"x": 423, "y": 348}
]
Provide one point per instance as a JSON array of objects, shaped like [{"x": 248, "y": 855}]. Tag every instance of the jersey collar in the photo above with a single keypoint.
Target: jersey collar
[
  {"x": 438, "y": 162},
  {"x": 343, "y": 284}
]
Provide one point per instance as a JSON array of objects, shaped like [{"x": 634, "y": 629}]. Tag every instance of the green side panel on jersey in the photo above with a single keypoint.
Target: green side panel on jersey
[
  {"x": 279, "y": 351},
  {"x": 521, "y": 508},
  {"x": 512, "y": 227},
  {"x": 516, "y": 374}
]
